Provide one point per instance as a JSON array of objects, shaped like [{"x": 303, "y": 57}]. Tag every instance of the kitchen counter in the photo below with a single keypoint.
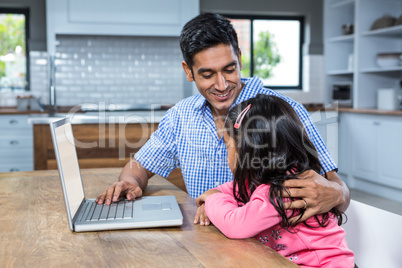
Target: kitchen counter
[
  {"x": 320, "y": 107},
  {"x": 41, "y": 117},
  {"x": 128, "y": 117},
  {"x": 14, "y": 110},
  {"x": 370, "y": 111}
]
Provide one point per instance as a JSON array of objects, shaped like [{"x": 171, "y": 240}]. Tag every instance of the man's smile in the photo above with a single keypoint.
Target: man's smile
[{"x": 223, "y": 96}]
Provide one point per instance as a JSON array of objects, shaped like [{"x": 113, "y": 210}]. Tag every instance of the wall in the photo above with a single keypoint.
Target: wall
[
  {"x": 313, "y": 59},
  {"x": 112, "y": 69},
  {"x": 311, "y": 9},
  {"x": 37, "y": 20},
  {"x": 313, "y": 76}
]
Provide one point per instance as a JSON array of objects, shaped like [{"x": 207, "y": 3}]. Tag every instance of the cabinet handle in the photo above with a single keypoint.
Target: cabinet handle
[
  {"x": 376, "y": 123},
  {"x": 14, "y": 169},
  {"x": 14, "y": 142},
  {"x": 13, "y": 122}
]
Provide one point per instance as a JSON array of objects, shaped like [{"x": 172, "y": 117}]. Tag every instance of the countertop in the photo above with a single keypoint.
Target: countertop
[
  {"x": 80, "y": 117},
  {"x": 14, "y": 110},
  {"x": 128, "y": 117},
  {"x": 370, "y": 111}
]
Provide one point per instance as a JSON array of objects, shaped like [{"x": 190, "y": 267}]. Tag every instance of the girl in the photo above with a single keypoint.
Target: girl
[{"x": 266, "y": 145}]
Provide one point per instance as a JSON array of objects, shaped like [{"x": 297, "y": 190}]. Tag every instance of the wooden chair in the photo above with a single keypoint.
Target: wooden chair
[{"x": 374, "y": 235}]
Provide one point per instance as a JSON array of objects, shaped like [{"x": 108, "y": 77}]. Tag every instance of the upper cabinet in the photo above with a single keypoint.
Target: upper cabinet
[
  {"x": 352, "y": 47},
  {"x": 118, "y": 17}
]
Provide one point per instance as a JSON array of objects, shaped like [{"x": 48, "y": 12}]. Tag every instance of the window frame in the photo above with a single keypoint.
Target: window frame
[
  {"x": 22, "y": 11},
  {"x": 274, "y": 17}
]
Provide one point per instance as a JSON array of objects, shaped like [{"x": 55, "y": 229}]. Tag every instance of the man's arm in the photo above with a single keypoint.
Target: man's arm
[
  {"x": 132, "y": 182},
  {"x": 157, "y": 154},
  {"x": 321, "y": 194}
]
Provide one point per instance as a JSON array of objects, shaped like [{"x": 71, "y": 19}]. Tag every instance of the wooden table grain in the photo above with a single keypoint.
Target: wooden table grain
[{"x": 34, "y": 231}]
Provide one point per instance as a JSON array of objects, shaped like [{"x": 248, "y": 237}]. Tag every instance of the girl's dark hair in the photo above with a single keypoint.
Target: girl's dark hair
[
  {"x": 272, "y": 146},
  {"x": 204, "y": 31}
]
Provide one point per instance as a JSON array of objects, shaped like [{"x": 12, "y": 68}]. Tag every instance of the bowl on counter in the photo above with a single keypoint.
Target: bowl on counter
[{"x": 385, "y": 60}]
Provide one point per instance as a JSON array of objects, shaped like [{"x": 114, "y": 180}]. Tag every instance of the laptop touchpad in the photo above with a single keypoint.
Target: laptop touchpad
[{"x": 163, "y": 206}]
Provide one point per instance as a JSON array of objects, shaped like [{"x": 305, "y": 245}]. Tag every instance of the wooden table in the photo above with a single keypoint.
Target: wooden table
[{"x": 34, "y": 231}]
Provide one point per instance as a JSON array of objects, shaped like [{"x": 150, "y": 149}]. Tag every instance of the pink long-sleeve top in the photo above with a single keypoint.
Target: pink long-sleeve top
[{"x": 307, "y": 247}]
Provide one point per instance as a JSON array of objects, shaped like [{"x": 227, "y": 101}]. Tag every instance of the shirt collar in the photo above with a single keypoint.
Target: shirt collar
[
  {"x": 250, "y": 89},
  {"x": 200, "y": 103}
]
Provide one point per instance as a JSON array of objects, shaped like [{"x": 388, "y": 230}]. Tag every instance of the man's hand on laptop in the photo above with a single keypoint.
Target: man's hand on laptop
[{"x": 131, "y": 190}]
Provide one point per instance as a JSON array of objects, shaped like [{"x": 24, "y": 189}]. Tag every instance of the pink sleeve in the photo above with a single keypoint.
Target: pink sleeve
[
  {"x": 226, "y": 188},
  {"x": 242, "y": 222}
]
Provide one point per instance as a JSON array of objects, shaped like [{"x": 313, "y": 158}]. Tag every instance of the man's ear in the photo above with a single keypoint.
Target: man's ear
[
  {"x": 187, "y": 71},
  {"x": 241, "y": 65}
]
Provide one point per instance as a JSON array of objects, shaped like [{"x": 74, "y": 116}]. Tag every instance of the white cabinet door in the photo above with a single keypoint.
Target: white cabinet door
[
  {"x": 370, "y": 148},
  {"x": 16, "y": 143},
  {"x": 389, "y": 153},
  {"x": 326, "y": 123},
  {"x": 375, "y": 142},
  {"x": 119, "y": 17},
  {"x": 150, "y": 12},
  {"x": 364, "y": 139},
  {"x": 344, "y": 148}
]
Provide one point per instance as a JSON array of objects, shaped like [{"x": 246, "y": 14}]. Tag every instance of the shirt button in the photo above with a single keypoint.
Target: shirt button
[{"x": 217, "y": 184}]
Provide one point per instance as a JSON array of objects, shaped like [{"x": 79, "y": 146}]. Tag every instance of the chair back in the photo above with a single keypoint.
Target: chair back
[{"x": 374, "y": 235}]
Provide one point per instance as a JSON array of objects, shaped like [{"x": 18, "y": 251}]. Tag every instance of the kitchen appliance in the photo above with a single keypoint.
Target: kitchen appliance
[
  {"x": 387, "y": 99},
  {"x": 342, "y": 93}
]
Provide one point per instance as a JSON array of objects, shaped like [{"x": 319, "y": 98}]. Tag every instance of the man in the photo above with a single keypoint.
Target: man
[{"x": 190, "y": 133}]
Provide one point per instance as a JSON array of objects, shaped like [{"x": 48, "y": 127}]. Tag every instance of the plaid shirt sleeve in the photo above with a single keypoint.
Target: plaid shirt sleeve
[{"x": 159, "y": 153}]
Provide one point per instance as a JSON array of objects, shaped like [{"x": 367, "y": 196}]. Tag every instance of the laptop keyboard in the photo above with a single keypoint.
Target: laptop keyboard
[{"x": 117, "y": 210}]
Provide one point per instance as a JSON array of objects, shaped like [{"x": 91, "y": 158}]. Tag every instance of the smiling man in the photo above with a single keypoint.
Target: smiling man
[{"x": 190, "y": 134}]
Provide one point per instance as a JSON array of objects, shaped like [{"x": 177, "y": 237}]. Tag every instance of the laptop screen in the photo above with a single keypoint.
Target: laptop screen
[{"x": 68, "y": 166}]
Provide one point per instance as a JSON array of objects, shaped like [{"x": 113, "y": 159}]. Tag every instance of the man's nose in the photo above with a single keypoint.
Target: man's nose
[{"x": 221, "y": 84}]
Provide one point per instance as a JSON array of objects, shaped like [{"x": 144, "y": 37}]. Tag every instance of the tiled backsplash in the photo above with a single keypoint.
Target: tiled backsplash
[
  {"x": 112, "y": 69},
  {"x": 134, "y": 70}
]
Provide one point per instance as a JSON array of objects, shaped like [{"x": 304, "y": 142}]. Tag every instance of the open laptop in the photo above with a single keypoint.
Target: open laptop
[{"x": 85, "y": 215}]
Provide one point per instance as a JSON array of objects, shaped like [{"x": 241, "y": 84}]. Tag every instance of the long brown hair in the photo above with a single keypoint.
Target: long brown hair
[{"x": 272, "y": 135}]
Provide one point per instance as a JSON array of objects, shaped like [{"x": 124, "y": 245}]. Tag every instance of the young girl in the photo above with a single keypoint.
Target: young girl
[{"x": 267, "y": 145}]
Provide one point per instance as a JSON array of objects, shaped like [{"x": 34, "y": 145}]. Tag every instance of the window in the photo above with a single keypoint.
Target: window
[
  {"x": 271, "y": 49},
  {"x": 14, "y": 63}
]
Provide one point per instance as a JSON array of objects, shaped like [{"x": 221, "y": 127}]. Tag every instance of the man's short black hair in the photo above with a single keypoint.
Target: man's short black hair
[{"x": 204, "y": 31}]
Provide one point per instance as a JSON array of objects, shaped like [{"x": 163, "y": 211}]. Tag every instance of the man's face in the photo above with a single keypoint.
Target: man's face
[{"x": 216, "y": 72}]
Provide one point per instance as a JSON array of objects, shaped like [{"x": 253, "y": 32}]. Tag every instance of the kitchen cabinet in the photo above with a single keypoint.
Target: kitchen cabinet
[
  {"x": 344, "y": 147},
  {"x": 370, "y": 153},
  {"x": 16, "y": 145},
  {"x": 119, "y": 17},
  {"x": 99, "y": 146},
  {"x": 326, "y": 123},
  {"x": 351, "y": 58}
]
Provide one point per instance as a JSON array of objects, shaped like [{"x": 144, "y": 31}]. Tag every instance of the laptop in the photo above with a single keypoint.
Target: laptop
[{"x": 86, "y": 215}]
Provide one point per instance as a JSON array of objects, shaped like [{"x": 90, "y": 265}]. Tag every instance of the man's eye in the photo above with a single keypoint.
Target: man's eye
[
  {"x": 206, "y": 76},
  {"x": 230, "y": 71}
]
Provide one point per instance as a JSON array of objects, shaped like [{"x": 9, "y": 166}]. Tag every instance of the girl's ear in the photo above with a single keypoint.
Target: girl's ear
[{"x": 187, "y": 71}]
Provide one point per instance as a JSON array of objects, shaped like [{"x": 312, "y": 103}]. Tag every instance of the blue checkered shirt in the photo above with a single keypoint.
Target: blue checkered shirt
[{"x": 187, "y": 138}]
